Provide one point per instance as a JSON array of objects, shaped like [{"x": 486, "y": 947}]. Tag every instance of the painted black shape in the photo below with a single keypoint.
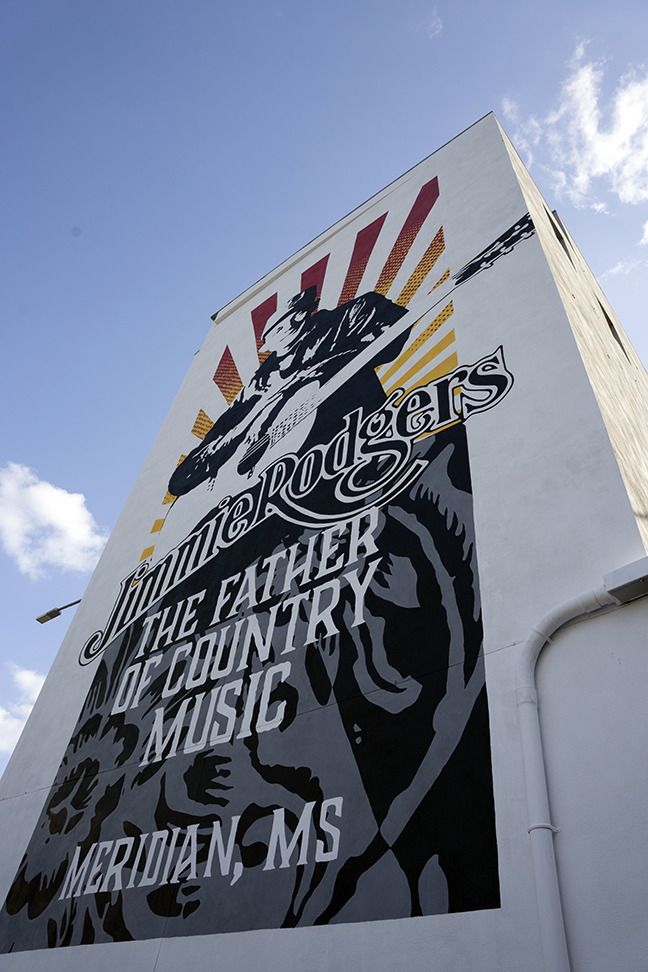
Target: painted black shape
[
  {"x": 294, "y": 914},
  {"x": 37, "y": 894},
  {"x": 386, "y": 764},
  {"x": 456, "y": 820},
  {"x": 300, "y": 781},
  {"x": 252, "y": 854},
  {"x": 296, "y": 779},
  {"x": 66, "y": 936},
  {"x": 99, "y": 687},
  {"x": 76, "y": 789},
  {"x": 73, "y": 821},
  {"x": 519, "y": 231},
  {"x": 206, "y": 773},
  {"x": 187, "y": 889},
  {"x": 126, "y": 733},
  {"x": 102, "y": 900},
  {"x": 88, "y": 934},
  {"x": 285, "y": 692},
  {"x": 114, "y": 923},
  {"x": 57, "y": 821},
  {"x": 457, "y": 557},
  {"x": 89, "y": 729},
  {"x": 146, "y": 773},
  {"x": 166, "y": 816},
  {"x": 105, "y": 806},
  {"x": 458, "y": 465},
  {"x": 163, "y": 901},
  {"x": 189, "y": 908},
  {"x": 317, "y": 674},
  {"x": 349, "y": 874}
]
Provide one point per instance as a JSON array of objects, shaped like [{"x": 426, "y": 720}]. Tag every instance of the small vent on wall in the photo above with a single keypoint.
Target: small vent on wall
[{"x": 615, "y": 333}]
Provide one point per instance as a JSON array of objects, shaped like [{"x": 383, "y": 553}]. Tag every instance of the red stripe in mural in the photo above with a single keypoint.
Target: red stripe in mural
[
  {"x": 260, "y": 317},
  {"x": 314, "y": 276},
  {"x": 364, "y": 244},
  {"x": 227, "y": 377},
  {"x": 418, "y": 214}
]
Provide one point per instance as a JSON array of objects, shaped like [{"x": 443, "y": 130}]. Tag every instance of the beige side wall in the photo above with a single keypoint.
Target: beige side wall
[{"x": 618, "y": 378}]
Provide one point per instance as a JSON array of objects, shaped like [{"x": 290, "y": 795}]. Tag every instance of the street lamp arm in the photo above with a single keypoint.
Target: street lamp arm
[{"x": 54, "y": 613}]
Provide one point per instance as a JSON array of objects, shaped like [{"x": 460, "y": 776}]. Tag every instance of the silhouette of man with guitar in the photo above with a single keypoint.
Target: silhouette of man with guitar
[{"x": 313, "y": 363}]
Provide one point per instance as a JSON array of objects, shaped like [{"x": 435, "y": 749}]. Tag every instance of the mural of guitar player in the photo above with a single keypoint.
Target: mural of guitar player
[{"x": 288, "y": 725}]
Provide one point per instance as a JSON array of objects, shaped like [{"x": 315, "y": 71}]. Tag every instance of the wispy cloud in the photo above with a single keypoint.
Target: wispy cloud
[
  {"x": 12, "y": 719},
  {"x": 588, "y": 145},
  {"x": 435, "y": 24},
  {"x": 622, "y": 268},
  {"x": 43, "y": 526}
]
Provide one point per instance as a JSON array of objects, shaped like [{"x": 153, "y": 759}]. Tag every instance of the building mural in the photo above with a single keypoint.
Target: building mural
[{"x": 288, "y": 723}]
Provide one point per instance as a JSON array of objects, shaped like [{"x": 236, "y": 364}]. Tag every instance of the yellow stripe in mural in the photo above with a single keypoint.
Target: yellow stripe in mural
[
  {"x": 419, "y": 342},
  {"x": 427, "y": 261},
  {"x": 202, "y": 425},
  {"x": 441, "y": 280},
  {"x": 147, "y": 553},
  {"x": 169, "y": 498},
  {"x": 446, "y": 365}
]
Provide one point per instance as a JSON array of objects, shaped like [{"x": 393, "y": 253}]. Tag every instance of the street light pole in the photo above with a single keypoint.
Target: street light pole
[{"x": 54, "y": 613}]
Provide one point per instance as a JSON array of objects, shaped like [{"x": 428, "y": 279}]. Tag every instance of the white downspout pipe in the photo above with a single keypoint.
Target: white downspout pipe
[
  {"x": 619, "y": 587},
  {"x": 541, "y": 831}
]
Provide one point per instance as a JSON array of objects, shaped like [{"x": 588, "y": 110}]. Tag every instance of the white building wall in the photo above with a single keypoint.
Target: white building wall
[
  {"x": 618, "y": 377},
  {"x": 551, "y": 514}
]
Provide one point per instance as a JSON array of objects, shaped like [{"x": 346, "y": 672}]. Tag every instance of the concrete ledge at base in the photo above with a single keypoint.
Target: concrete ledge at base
[
  {"x": 129, "y": 956},
  {"x": 444, "y": 943}
]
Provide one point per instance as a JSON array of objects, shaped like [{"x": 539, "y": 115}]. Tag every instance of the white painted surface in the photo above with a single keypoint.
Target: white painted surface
[{"x": 552, "y": 515}]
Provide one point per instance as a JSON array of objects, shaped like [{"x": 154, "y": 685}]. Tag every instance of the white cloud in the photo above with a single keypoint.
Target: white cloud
[
  {"x": 644, "y": 239},
  {"x": 13, "y": 719},
  {"x": 42, "y": 525},
  {"x": 435, "y": 25},
  {"x": 623, "y": 267},
  {"x": 510, "y": 109},
  {"x": 592, "y": 146}
]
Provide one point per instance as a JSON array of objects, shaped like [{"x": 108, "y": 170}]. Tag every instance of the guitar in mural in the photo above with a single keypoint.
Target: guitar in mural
[{"x": 314, "y": 354}]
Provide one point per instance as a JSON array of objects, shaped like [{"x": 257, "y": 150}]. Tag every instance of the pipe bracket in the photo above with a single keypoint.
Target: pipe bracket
[{"x": 543, "y": 826}]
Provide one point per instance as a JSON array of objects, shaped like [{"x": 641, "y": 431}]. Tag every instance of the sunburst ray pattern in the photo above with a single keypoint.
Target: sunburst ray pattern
[
  {"x": 441, "y": 280},
  {"x": 425, "y": 264},
  {"x": 260, "y": 317},
  {"x": 417, "y": 216},
  {"x": 362, "y": 250},
  {"x": 405, "y": 372},
  {"x": 314, "y": 276},
  {"x": 202, "y": 425},
  {"x": 227, "y": 378}
]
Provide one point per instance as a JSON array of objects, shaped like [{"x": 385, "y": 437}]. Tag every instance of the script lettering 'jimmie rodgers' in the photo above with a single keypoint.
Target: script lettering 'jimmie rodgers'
[{"x": 284, "y": 489}]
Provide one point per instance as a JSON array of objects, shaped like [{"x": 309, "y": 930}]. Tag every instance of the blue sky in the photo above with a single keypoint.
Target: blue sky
[{"x": 160, "y": 157}]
